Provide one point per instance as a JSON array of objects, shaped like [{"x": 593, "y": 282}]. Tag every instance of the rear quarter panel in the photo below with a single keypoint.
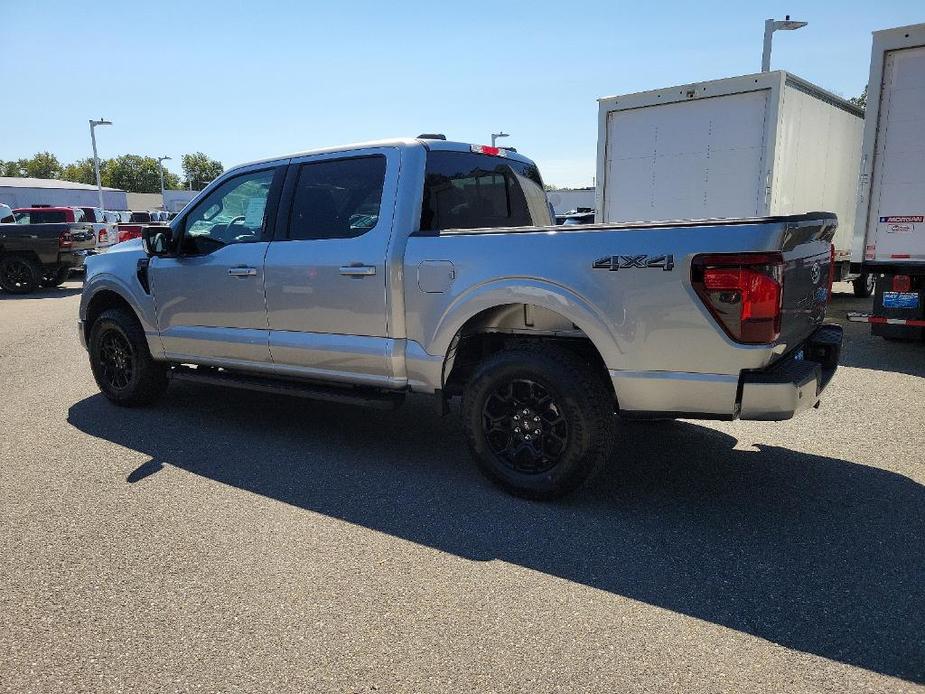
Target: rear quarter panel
[{"x": 640, "y": 319}]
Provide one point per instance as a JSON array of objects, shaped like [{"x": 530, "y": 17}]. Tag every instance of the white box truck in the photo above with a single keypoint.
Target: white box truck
[
  {"x": 759, "y": 145},
  {"x": 890, "y": 230}
]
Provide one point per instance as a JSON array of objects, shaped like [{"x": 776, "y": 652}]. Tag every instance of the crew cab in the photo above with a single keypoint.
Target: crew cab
[
  {"x": 362, "y": 273},
  {"x": 42, "y": 246}
]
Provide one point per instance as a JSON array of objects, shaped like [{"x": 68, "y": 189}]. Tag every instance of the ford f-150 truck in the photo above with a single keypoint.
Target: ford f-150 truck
[
  {"x": 41, "y": 247},
  {"x": 362, "y": 273}
]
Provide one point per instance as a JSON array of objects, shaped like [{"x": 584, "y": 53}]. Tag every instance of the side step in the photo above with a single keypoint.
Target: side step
[{"x": 351, "y": 395}]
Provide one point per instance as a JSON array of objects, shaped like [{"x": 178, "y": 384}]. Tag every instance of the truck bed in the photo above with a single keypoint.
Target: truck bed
[{"x": 628, "y": 288}]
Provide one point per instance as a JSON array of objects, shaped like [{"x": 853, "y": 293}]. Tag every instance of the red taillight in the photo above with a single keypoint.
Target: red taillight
[
  {"x": 104, "y": 236},
  {"x": 127, "y": 233},
  {"x": 831, "y": 270},
  {"x": 65, "y": 240},
  {"x": 743, "y": 291},
  {"x": 902, "y": 283}
]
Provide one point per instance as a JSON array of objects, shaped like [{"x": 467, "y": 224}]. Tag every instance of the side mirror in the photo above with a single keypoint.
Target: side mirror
[{"x": 157, "y": 240}]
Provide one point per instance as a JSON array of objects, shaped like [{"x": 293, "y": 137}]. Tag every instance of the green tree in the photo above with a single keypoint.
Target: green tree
[
  {"x": 860, "y": 100},
  {"x": 42, "y": 165},
  {"x": 12, "y": 168},
  {"x": 136, "y": 174},
  {"x": 81, "y": 171},
  {"x": 199, "y": 170}
]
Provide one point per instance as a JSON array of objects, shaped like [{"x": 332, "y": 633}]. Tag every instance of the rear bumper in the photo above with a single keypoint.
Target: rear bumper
[{"x": 795, "y": 383}]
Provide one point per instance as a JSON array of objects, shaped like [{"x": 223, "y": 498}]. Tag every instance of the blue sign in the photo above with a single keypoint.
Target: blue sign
[{"x": 900, "y": 299}]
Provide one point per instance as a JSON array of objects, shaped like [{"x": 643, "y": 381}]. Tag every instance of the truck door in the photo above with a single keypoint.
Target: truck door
[
  {"x": 326, "y": 272},
  {"x": 210, "y": 298}
]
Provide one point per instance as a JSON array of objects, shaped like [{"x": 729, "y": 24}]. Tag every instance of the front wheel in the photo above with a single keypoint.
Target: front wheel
[
  {"x": 539, "y": 420},
  {"x": 121, "y": 361},
  {"x": 864, "y": 285}
]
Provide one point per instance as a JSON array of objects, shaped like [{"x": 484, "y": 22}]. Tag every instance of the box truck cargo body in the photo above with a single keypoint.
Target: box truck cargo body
[
  {"x": 890, "y": 233},
  {"x": 751, "y": 146}
]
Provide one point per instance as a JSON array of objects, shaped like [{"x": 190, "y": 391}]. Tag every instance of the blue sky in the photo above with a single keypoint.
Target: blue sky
[{"x": 246, "y": 80}]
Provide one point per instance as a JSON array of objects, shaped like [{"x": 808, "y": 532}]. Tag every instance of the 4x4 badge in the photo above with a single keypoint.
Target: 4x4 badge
[{"x": 626, "y": 262}]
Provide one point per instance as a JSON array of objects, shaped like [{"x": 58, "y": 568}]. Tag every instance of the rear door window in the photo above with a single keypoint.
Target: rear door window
[
  {"x": 337, "y": 198},
  {"x": 465, "y": 190}
]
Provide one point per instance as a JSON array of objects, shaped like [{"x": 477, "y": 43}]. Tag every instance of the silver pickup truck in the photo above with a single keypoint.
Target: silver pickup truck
[{"x": 362, "y": 273}]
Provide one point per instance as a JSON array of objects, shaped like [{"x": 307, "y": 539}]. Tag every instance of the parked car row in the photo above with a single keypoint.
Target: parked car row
[{"x": 41, "y": 245}]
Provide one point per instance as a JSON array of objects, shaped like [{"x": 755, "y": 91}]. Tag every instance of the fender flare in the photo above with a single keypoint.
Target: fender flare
[
  {"x": 548, "y": 295},
  {"x": 142, "y": 304}
]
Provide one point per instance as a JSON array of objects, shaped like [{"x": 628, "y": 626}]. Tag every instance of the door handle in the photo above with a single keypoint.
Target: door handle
[
  {"x": 242, "y": 271},
  {"x": 358, "y": 270}
]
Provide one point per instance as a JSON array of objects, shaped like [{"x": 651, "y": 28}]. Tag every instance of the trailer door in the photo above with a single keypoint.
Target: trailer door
[
  {"x": 687, "y": 160},
  {"x": 897, "y": 210}
]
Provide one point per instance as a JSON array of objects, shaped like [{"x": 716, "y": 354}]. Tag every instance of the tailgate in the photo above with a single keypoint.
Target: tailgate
[
  {"x": 83, "y": 237},
  {"x": 806, "y": 250}
]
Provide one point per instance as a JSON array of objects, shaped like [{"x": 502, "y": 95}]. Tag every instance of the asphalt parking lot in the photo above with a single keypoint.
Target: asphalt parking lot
[{"x": 229, "y": 541}]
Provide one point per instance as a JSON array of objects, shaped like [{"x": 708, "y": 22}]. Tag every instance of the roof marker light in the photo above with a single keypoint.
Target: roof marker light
[{"x": 486, "y": 149}]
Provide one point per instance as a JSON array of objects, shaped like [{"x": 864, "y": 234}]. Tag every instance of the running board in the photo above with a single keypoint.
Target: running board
[{"x": 367, "y": 397}]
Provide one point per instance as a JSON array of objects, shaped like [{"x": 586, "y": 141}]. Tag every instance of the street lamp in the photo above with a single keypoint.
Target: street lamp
[
  {"x": 96, "y": 159},
  {"x": 160, "y": 163},
  {"x": 495, "y": 136},
  {"x": 770, "y": 26}
]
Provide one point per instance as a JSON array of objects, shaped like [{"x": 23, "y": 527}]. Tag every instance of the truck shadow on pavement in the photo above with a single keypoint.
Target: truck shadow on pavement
[
  {"x": 816, "y": 554},
  {"x": 45, "y": 293}
]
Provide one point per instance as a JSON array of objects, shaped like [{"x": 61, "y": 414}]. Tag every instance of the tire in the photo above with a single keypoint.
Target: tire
[
  {"x": 56, "y": 278},
  {"x": 121, "y": 362},
  {"x": 19, "y": 275},
  {"x": 864, "y": 285},
  {"x": 556, "y": 391}
]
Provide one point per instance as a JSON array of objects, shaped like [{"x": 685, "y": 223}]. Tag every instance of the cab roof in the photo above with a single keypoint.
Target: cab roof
[{"x": 400, "y": 142}]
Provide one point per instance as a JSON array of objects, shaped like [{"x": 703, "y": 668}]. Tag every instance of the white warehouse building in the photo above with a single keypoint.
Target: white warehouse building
[{"x": 26, "y": 192}]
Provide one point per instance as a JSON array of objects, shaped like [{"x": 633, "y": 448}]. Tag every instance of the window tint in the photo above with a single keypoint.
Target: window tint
[
  {"x": 337, "y": 198},
  {"x": 465, "y": 190},
  {"x": 235, "y": 212},
  {"x": 41, "y": 217}
]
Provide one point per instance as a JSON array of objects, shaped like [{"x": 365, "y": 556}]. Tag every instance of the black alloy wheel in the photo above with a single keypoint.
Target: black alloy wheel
[
  {"x": 19, "y": 275},
  {"x": 116, "y": 359},
  {"x": 524, "y": 426}
]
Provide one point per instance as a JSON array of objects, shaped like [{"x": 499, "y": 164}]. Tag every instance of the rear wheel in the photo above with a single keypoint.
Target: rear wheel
[
  {"x": 56, "y": 278},
  {"x": 864, "y": 285},
  {"x": 121, "y": 362},
  {"x": 539, "y": 420},
  {"x": 19, "y": 275}
]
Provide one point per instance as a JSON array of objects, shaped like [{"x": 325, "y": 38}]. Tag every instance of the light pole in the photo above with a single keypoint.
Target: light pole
[
  {"x": 770, "y": 26},
  {"x": 495, "y": 136},
  {"x": 96, "y": 159},
  {"x": 160, "y": 163}
]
